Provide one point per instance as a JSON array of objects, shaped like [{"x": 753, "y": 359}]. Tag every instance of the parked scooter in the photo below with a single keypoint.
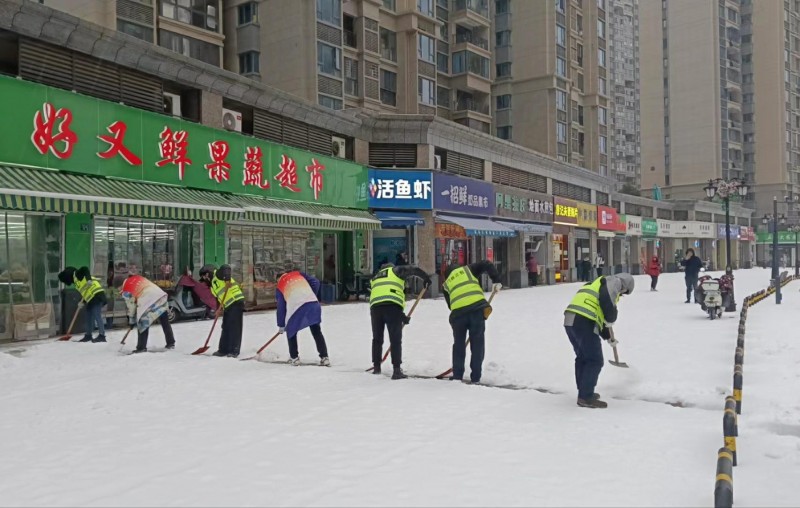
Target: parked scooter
[
  {"x": 715, "y": 296},
  {"x": 188, "y": 301}
]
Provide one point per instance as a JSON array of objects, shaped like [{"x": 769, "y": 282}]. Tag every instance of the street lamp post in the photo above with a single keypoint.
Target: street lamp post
[
  {"x": 725, "y": 190},
  {"x": 774, "y": 219},
  {"x": 796, "y": 230}
]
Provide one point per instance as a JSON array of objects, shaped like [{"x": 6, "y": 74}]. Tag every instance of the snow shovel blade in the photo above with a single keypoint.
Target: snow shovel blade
[
  {"x": 248, "y": 358},
  {"x": 64, "y": 338},
  {"x": 618, "y": 364},
  {"x": 201, "y": 350}
]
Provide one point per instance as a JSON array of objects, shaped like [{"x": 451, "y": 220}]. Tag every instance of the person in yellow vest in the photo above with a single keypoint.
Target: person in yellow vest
[
  {"x": 468, "y": 313},
  {"x": 231, "y": 306},
  {"x": 588, "y": 317},
  {"x": 387, "y": 302},
  {"x": 93, "y": 296}
]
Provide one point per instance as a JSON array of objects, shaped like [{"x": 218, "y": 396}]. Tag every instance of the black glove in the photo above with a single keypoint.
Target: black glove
[
  {"x": 406, "y": 319},
  {"x": 605, "y": 333}
]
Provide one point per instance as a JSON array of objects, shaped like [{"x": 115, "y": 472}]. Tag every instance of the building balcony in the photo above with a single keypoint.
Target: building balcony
[
  {"x": 472, "y": 13},
  {"x": 471, "y": 82},
  {"x": 471, "y": 105},
  {"x": 470, "y": 38},
  {"x": 350, "y": 39}
]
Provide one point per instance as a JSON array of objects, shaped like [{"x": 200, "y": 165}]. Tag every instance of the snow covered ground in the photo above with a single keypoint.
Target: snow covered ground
[{"x": 84, "y": 425}]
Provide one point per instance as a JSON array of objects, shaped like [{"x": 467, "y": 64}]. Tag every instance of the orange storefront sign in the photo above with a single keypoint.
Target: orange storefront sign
[{"x": 450, "y": 231}]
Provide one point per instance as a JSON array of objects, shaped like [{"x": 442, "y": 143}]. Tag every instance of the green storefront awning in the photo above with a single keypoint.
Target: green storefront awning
[
  {"x": 43, "y": 190},
  {"x": 306, "y": 215}
]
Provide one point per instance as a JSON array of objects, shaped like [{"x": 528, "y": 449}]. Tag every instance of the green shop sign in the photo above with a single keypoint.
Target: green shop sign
[
  {"x": 649, "y": 227},
  {"x": 50, "y": 128},
  {"x": 784, "y": 237}
]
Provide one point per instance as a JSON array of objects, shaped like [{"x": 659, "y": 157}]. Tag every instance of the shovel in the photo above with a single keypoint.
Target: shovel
[
  {"x": 616, "y": 362},
  {"x": 389, "y": 349},
  {"x": 122, "y": 344},
  {"x": 71, "y": 324},
  {"x": 262, "y": 348},
  {"x": 203, "y": 349}
]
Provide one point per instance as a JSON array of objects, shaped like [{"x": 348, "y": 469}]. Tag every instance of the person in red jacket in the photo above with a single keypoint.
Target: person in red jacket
[{"x": 654, "y": 270}]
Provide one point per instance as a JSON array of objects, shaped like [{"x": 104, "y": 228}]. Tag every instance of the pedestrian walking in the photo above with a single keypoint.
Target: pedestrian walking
[
  {"x": 146, "y": 303},
  {"x": 299, "y": 308},
  {"x": 654, "y": 270},
  {"x": 599, "y": 263},
  {"x": 533, "y": 271},
  {"x": 387, "y": 303},
  {"x": 231, "y": 307},
  {"x": 691, "y": 270},
  {"x": 587, "y": 319},
  {"x": 468, "y": 313},
  {"x": 93, "y": 296}
]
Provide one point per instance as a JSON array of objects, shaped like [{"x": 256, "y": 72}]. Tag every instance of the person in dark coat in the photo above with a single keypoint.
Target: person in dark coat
[
  {"x": 387, "y": 302},
  {"x": 469, "y": 311},
  {"x": 231, "y": 302},
  {"x": 93, "y": 296},
  {"x": 691, "y": 265},
  {"x": 587, "y": 319}
]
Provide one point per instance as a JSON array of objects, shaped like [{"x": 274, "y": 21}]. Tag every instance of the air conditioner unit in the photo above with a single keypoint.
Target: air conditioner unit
[
  {"x": 338, "y": 147},
  {"x": 172, "y": 104},
  {"x": 437, "y": 162},
  {"x": 231, "y": 120}
]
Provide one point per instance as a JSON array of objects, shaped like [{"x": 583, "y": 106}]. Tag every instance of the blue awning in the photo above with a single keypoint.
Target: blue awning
[
  {"x": 527, "y": 227},
  {"x": 391, "y": 220},
  {"x": 478, "y": 227}
]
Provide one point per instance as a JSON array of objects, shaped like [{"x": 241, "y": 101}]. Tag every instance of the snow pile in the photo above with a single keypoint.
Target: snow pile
[
  {"x": 94, "y": 428},
  {"x": 8, "y": 361}
]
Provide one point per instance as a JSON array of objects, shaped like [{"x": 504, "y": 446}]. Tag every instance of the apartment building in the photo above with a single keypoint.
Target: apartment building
[{"x": 626, "y": 156}]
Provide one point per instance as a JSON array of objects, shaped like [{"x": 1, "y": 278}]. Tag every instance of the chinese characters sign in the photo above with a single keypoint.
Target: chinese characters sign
[
  {"x": 450, "y": 231},
  {"x": 463, "y": 195},
  {"x": 587, "y": 215},
  {"x": 565, "y": 211},
  {"x": 607, "y": 219},
  {"x": 734, "y": 231},
  {"x": 633, "y": 225},
  {"x": 649, "y": 227},
  {"x": 56, "y": 129},
  {"x": 523, "y": 205},
  {"x": 410, "y": 190}
]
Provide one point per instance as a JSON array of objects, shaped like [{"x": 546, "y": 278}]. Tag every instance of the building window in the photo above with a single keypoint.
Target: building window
[
  {"x": 329, "y": 60},
  {"x": 249, "y": 62},
  {"x": 351, "y": 77},
  {"x": 188, "y": 46},
  {"x": 443, "y": 97},
  {"x": 580, "y": 82},
  {"x": 579, "y": 52},
  {"x": 202, "y": 13},
  {"x": 390, "y": 5},
  {"x": 443, "y": 62},
  {"x": 504, "y": 132},
  {"x": 388, "y": 88},
  {"x": 426, "y": 90},
  {"x": 732, "y": 15},
  {"x": 503, "y": 38},
  {"x": 580, "y": 115},
  {"x": 330, "y": 11},
  {"x": 248, "y": 13},
  {"x": 503, "y": 69},
  {"x": 603, "y": 145},
  {"x": 330, "y": 102},
  {"x": 388, "y": 45},
  {"x": 134, "y": 30},
  {"x": 579, "y": 24},
  {"x": 561, "y": 132},
  {"x": 561, "y": 36},
  {"x": 601, "y": 28},
  {"x": 501, "y": 7},
  {"x": 601, "y": 4},
  {"x": 426, "y": 48},
  {"x": 560, "y": 5},
  {"x": 467, "y": 61},
  {"x": 601, "y": 57},
  {"x": 601, "y": 84},
  {"x": 425, "y": 7},
  {"x": 561, "y": 100},
  {"x": 603, "y": 170},
  {"x": 561, "y": 67},
  {"x": 503, "y": 101},
  {"x": 602, "y": 116}
]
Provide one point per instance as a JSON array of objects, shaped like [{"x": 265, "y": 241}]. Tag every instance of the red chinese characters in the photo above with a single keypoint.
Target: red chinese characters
[
  {"x": 315, "y": 169},
  {"x": 116, "y": 144},
  {"x": 254, "y": 169},
  {"x": 44, "y": 138},
  {"x": 288, "y": 175},
  {"x": 174, "y": 148},
  {"x": 218, "y": 169}
]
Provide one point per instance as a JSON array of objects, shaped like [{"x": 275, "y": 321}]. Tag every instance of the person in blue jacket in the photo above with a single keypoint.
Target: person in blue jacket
[
  {"x": 691, "y": 265},
  {"x": 298, "y": 308}
]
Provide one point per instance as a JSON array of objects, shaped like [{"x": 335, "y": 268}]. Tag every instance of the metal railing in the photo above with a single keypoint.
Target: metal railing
[
  {"x": 470, "y": 38},
  {"x": 471, "y": 105},
  {"x": 350, "y": 39},
  {"x": 480, "y": 7}
]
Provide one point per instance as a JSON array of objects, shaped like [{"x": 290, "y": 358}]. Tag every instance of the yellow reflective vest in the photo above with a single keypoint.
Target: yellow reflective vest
[
  {"x": 463, "y": 288},
  {"x": 586, "y": 303},
  {"x": 387, "y": 287},
  {"x": 234, "y": 293},
  {"x": 88, "y": 288}
]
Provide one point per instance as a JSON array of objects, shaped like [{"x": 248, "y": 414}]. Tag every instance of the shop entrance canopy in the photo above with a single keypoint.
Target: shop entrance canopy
[
  {"x": 478, "y": 227},
  {"x": 399, "y": 219}
]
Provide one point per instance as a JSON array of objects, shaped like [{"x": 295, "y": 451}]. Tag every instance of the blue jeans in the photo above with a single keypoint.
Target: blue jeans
[
  {"x": 588, "y": 360},
  {"x": 94, "y": 316}
]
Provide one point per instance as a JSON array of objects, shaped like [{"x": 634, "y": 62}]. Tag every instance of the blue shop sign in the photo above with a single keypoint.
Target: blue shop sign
[
  {"x": 463, "y": 195},
  {"x": 734, "y": 231},
  {"x": 410, "y": 190}
]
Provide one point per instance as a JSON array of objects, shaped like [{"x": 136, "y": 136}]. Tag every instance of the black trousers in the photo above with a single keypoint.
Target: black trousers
[
  {"x": 473, "y": 324},
  {"x": 389, "y": 316},
  {"x": 230, "y": 342},
  {"x": 653, "y": 281},
  {"x": 533, "y": 278},
  {"x": 588, "y": 359},
  {"x": 165, "y": 325},
  {"x": 691, "y": 284},
  {"x": 319, "y": 339}
]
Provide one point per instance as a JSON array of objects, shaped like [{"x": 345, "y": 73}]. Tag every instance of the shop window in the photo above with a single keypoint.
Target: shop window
[{"x": 30, "y": 259}]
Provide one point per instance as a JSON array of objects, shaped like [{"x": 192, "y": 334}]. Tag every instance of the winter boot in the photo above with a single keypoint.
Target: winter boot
[
  {"x": 219, "y": 353},
  {"x": 170, "y": 346},
  {"x": 324, "y": 362},
  {"x": 376, "y": 368},
  {"x": 100, "y": 338},
  {"x": 294, "y": 361},
  {"x": 138, "y": 350},
  {"x": 86, "y": 338},
  {"x": 398, "y": 373},
  {"x": 595, "y": 396},
  {"x": 456, "y": 378},
  {"x": 593, "y": 404},
  {"x": 232, "y": 355}
]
